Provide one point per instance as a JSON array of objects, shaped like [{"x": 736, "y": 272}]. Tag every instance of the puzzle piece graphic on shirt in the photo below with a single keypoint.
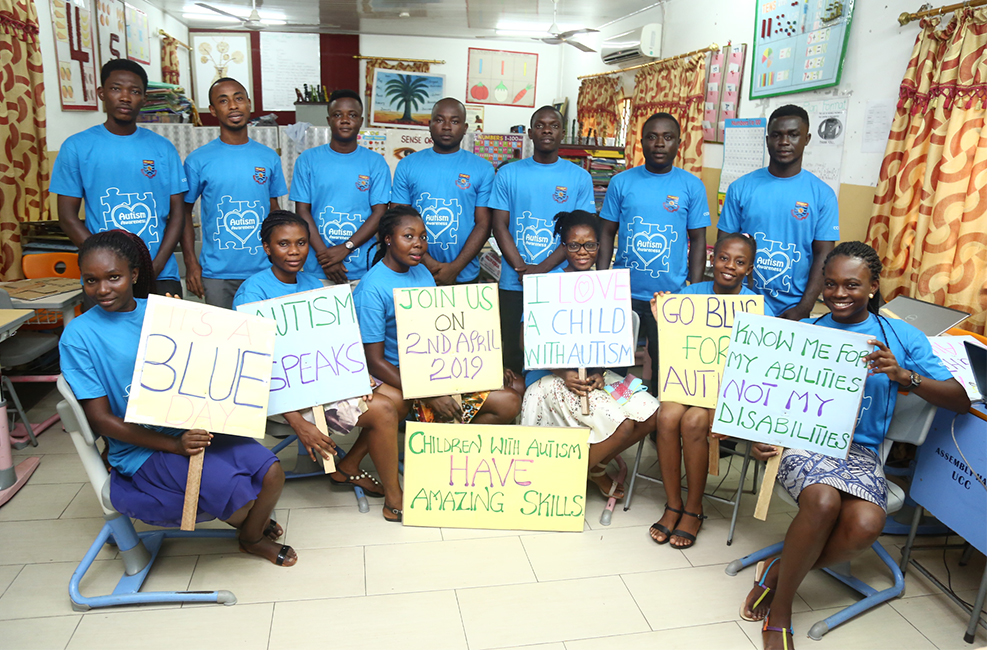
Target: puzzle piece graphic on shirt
[
  {"x": 337, "y": 227},
  {"x": 534, "y": 238},
  {"x": 441, "y": 219},
  {"x": 866, "y": 403},
  {"x": 133, "y": 212},
  {"x": 647, "y": 243},
  {"x": 238, "y": 225},
  {"x": 773, "y": 266}
]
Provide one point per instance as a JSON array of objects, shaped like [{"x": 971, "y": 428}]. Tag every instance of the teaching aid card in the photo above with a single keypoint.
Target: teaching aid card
[
  {"x": 791, "y": 384},
  {"x": 694, "y": 332},
  {"x": 449, "y": 339}
]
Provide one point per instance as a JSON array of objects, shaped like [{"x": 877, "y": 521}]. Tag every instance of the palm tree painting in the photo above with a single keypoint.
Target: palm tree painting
[{"x": 405, "y": 98}]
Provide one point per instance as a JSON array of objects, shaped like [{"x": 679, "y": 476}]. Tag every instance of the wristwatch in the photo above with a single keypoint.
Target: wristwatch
[
  {"x": 349, "y": 245},
  {"x": 915, "y": 380}
]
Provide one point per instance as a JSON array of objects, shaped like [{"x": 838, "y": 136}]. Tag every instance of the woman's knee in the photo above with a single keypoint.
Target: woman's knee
[
  {"x": 505, "y": 404},
  {"x": 863, "y": 530},
  {"x": 274, "y": 477},
  {"x": 694, "y": 425},
  {"x": 820, "y": 502}
]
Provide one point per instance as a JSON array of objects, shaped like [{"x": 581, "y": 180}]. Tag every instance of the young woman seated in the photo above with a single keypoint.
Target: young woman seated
[
  {"x": 285, "y": 237},
  {"x": 842, "y": 503},
  {"x": 554, "y": 397},
  {"x": 242, "y": 480}
]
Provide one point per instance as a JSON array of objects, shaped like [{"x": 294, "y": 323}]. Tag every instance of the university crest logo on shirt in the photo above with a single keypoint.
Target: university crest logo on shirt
[
  {"x": 260, "y": 175},
  {"x": 149, "y": 168},
  {"x": 561, "y": 194},
  {"x": 363, "y": 182},
  {"x": 672, "y": 204},
  {"x": 463, "y": 181},
  {"x": 801, "y": 210}
]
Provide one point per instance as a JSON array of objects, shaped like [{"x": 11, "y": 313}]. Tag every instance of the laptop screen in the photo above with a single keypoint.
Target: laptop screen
[{"x": 977, "y": 360}]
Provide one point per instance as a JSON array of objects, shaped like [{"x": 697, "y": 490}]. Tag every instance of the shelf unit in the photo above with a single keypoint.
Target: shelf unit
[{"x": 600, "y": 162}]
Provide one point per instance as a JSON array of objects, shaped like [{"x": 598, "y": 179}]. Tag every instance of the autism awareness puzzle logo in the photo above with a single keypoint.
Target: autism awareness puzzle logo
[
  {"x": 463, "y": 181},
  {"x": 534, "y": 238},
  {"x": 363, "y": 182},
  {"x": 672, "y": 204},
  {"x": 260, "y": 175},
  {"x": 773, "y": 266},
  {"x": 337, "y": 227},
  {"x": 866, "y": 403},
  {"x": 561, "y": 194},
  {"x": 149, "y": 168},
  {"x": 801, "y": 210},
  {"x": 238, "y": 225},
  {"x": 133, "y": 212},
  {"x": 440, "y": 219},
  {"x": 647, "y": 243}
]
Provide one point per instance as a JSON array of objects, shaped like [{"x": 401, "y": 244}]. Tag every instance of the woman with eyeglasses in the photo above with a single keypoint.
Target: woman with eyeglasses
[{"x": 554, "y": 397}]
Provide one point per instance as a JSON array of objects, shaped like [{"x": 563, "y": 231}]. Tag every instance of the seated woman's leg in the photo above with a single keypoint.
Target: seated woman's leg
[
  {"x": 380, "y": 425},
  {"x": 251, "y": 530},
  {"x": 668, "y": 450},
  {"x": 402, "y": 405},
  {"x": 602, "y": 452},
  {"x": 500, "y": 407},
  {"x": 694, "y": 432}
]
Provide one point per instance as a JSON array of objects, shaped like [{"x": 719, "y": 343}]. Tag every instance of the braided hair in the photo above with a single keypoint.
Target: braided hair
[
  {"x": 387, "y": 225},
  {"x": 566, "y": 221},
  {"x": 279, "y": 218},
  {"x": 861, "y": 251},
  {"x": 129, "y": 247}
]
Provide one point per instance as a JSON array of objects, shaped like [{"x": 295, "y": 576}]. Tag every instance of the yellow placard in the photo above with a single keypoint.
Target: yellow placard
[
  {"x": 498, "y": 477},
  {"x": 694, "y": 338},
  {"x": 449, "y": 339},
  {"x": 202, "y": 367}
]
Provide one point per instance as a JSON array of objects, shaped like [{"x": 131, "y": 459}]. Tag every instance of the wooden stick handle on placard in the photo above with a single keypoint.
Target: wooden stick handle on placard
[
  {"x": 767, "y": 485},
  {"x": 713, "y": 455},
  {"x": 189, "y": 514},
  {"x": 585, "y": 403},
  {"x": 329, "y": 464}
]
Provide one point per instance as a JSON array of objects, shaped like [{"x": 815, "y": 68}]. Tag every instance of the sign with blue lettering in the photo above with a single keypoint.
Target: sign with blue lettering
[
  {"x": 791, "y": 384},
  {"x": 318, "y": 355},
  {"x": 578, "y": 319}
]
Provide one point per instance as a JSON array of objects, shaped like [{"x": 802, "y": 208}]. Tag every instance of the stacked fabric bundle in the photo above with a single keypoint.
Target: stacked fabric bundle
[{"x": 165, "y": 103}]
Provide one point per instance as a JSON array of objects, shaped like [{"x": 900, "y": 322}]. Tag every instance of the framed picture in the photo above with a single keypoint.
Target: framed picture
[
  {"x": 501, "y": 78},
  {"x": 475, "y": 115},
  {"x": 76, "y": 55},
  {"x": 217, "y": 55},
  {"x": 404, "y": 98},
  {"x": 110, "y": 29},
  {"x": 137, "y": 35}
]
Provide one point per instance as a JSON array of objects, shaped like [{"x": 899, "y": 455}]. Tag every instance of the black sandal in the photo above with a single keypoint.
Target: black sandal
[
  {"x": 352, "y": 483},
  {"x": 397, "y": 515},
  {"x": 278, "y": 560},
  {"x": 273, "y": 531},
  {"x": 686, "y": 535},
  {"x": 663, "y": 529}
]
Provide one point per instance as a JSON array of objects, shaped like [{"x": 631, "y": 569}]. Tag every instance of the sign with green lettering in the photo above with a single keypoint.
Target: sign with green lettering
[
  {"x": 492, "y": 476},
  {"x": 792, "y": 385}
]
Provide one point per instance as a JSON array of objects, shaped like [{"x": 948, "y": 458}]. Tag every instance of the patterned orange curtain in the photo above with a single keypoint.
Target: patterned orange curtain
[
  {"x": 597, "y": 106},
  {"x": 929, "y": 216},
  {"x": 676, "y": 87},
  {"x": 24, "y": 171},
  {"x": 169, "y": 65},
  {"x": 384, "y": 64}
]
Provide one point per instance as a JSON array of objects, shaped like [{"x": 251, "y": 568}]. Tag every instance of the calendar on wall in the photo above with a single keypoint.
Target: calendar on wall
[{"x": 745, "y": 151}]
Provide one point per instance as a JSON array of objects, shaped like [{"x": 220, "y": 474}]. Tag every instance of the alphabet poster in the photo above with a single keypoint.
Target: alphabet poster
[
  {"x": 449, "y": 339},
  {"x": 318, "y": 355},
  {"x": 694, "y": 340},
  {"x": 497, "y": 477},
  {"x": 793, "y": 385},
  {"x": 110, "y": 29},
  {"x": 76, "y": 55},
  {"x": 578, "y": 319},
  {"x": 201, "y": 367}
]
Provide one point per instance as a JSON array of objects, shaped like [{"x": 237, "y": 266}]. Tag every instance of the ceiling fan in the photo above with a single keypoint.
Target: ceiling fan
[
  {"x": 254, "y": 23},
  {"x": 558, "y": 37}
]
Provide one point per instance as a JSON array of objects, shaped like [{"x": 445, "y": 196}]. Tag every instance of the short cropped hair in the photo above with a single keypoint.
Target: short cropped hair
[
  {"x": 127, "y": 66},
  {"x": 789, "y": 110}
]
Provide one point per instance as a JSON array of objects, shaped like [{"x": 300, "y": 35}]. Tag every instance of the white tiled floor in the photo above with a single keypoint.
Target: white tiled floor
[{"x": 363, "y": 583}]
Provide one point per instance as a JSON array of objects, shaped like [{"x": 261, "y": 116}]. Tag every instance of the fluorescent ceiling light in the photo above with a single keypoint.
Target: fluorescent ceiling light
[
  {"x": 520, "y": 32},
  {"x": 266, "y": 16}
]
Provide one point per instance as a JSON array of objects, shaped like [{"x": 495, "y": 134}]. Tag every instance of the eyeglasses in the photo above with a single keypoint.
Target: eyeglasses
[{"x": 573, "y": 246}]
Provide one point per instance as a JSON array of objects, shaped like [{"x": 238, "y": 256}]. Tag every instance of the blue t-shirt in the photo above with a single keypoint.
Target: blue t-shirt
[
  {"x": 126, "y": 182},
  {"x": 445, "y": 189},
  {"x": 236, "y": 184},
  {"x": 912, "y": 351},
  {"x": 707, "y": 288},
  {"x": 265, "y": 286},
  {"x": 534, "y": 194},
  {"x": 341, "y": 189},
  {"x": 654, "y": 213},
  {"x": 376, "y": 308},
  {"x": 785, "y": 216},
  {"x": 97, "y": 353}
]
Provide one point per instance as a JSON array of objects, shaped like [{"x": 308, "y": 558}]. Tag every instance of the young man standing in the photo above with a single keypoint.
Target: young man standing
[
  {"x": 127, "y": 177},
  {"x": 239, "y": 182},
  {"x": 527, "y": 195},
  {"x": 451, "y": 189},
  {"x": 342, "y": 191},
  {"x": 791, "y": 213},
  {"x": 659, "y": 214}
]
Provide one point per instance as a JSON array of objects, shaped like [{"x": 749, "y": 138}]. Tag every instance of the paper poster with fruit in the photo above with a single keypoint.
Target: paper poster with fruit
[
  {"x": 502, "y": 78},
  {"x": 110, "y": 29},
  {"x": 76, "y": 55}
]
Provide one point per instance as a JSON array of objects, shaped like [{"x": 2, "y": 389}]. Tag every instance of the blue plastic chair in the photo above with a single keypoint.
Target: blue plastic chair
[
  {"x": 911, "y": 420},
  {"x": 137, "y": 550}
]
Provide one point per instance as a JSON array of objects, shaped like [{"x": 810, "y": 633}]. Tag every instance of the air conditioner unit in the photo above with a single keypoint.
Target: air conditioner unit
[{"x": 636, "y": 46}]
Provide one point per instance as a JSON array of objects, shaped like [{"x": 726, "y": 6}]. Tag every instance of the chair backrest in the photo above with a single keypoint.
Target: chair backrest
[
  {"x": 5, "y": 302},
  {"x": 51, "y": 265},
  {"x": 75, "y": 422},
  {"x": 911, "y": 421}
]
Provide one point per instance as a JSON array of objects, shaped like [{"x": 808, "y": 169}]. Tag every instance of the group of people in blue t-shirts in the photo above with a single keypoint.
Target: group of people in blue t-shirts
[{"x": 354, "y": 223}]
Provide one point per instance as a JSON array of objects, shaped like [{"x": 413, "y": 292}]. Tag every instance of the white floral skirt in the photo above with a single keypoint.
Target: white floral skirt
[{"x": 548, "y": 403}]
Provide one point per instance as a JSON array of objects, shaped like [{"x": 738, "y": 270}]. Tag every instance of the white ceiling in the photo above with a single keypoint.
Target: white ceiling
[{"x": 448, "y": 18}]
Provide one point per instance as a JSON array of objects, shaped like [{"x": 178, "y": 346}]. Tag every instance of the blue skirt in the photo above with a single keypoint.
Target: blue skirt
[
  {"x": 860, "y": 474},
  {"x": 233, "y": 475}
]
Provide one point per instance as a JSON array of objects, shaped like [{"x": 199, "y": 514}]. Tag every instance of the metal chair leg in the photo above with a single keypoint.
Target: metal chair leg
[
  {"x": 20, "y": 412},
  {"x": 635, "y": 470},
  {"x": 737, "y": 499}
]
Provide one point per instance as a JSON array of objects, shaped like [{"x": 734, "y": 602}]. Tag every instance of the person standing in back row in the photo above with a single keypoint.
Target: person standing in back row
[
  {"x": 792, "y": 215},
  {"x": 527, "y": 195},
  {"x": 451, "y": 189}
]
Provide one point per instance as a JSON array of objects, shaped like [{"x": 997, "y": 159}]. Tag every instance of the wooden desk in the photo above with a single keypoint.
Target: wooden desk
[
  {"x": 65, "y": 302},
  {"x": 12, "y": 478}
]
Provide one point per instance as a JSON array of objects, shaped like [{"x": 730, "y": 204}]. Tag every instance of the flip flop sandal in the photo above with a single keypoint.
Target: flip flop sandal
[
  {"x": 663, "y": 529},
  {"x": 746, "y": 612},
  {"x": 785, "y": 631},
  {"x": 352, "y": 481},
  {"x": 279, "y": 558},
  {"x": 686, "y": 535},
  {"x": 602, "y": 470},
  {"x": 397, "y": 515},
  {"x": 273, "y": 530}
]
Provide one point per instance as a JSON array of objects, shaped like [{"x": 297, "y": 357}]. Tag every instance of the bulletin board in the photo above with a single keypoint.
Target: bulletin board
[
  {"x": 723, "y": 81},
  {"x": 287, "y": 61},
  {"x": 501, "y": 78},
  {"x": 217, "y": 55},
  {"x": 76, "y": 54},
  {"x": 110, "y": 29},
  {"x": 799, "y": 45},
  {"x": 137, "y": 35}
]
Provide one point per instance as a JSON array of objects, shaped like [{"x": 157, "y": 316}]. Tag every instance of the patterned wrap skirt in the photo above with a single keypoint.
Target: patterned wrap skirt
[
  {"x": 470, "y": 403},
  {"x": 860, "y": 474}
]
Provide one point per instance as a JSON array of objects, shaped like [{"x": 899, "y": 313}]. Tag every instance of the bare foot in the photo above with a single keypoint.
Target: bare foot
[
  {"x": 603, "y": 481},
  {"x": 669, "y": 519},
  {"x": 270, "y": 550}
]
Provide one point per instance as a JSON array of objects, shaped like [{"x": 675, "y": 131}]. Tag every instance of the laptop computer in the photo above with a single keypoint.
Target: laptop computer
[
  {"x": 927, "y": 317},
  {"x": 977, "y": 361}
]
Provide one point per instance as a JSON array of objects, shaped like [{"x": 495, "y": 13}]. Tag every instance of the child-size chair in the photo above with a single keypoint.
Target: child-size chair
[{"x": 137, "y": 550}]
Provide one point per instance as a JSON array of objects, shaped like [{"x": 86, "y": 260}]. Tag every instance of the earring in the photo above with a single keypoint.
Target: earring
[{"x": 871, "y": 295}]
